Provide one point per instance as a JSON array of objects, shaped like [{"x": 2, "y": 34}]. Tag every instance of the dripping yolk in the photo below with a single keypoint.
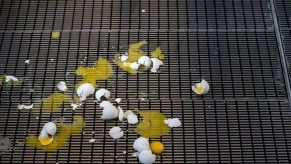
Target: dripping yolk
[
  {"x": 200, "y": 89},
  {"x": 45, "y": 141}
]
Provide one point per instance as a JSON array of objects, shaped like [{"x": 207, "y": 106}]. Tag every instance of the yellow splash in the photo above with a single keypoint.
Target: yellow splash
[
  {"x": 123, "y": 66},
  {"x": 158, "y": 54},
  {"x": 56, "y": 34},
  {"x": 2, "y": 79},
  {"x": 101, "y": 71},
  {"x": 60, "y": 140},
  {"x": 52, "y": 103},
  {"x": 153, "y": 125}
]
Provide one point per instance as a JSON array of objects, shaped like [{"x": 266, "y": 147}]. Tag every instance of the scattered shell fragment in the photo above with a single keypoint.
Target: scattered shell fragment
[
  {"x": 135, "y": 154},
  {"x": 201, "y": 88},
  {"x": 118, "y": 100},
  {"x": 156, "y": 64},
  {"x": 127, "y": 113},
  {"x": 109, "y": 111},
  {"x": 10, "y": 78},
  {"x": 145, "y": 60},
  {"x": 21, "y": 106},
  {"x": 147, "y": 157},
  {"x": 123, "y": 58},
  {"x": 116, "y": 132},
  {"x": 132, "y": 119},
  {"x": 92, "y": 140},
  {"x": 143, "y": 10},
  {"x": 85, "y": 90},
  {"x": 134, "y": 65},
  {"x": 102, "y": 93},
  {"x": 75, "y": 106},
  {"x": 141, "y": 144},
  {"x": 27, "y": 61},
  {"x": 173, "y": 122},
  {"x": 62, "y": 86},
  {"x": 120, "y": 114}
]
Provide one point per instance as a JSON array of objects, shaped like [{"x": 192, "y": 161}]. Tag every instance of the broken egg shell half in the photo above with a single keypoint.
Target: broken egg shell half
[
  {"x": 85, "y": 90},
  {"x": 204, "y": 84},
  {"x": 62, "y": 86},
  {"x": 10, "y": 78},
  {"x": 156, "y": 64},
  {"x": 104, "y": 104},
  {"x": 109, "y": 112},
  {"x": 173, "y": 122},
  {"x": 145, "y": 60},
  {"x": 141, "y": 144},
  {"x": 102, "y": 93},
  {"x": 123, "y": 58},
  {"x": 132, "y": 119},
  {"x": 134, "y": 66},
  {"x": 116, "y": 132},
  {"x": 147, "y": 157}
]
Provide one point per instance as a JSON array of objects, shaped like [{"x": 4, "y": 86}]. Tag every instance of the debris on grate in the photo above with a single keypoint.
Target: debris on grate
[{"x": 4, "y": 144}]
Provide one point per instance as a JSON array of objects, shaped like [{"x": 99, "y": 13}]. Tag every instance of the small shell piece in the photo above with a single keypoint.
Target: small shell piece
[
  {"x": 134, "y": 65},
  {"x": 62, "y": 86},
  {"x": 141, "y": 144},
  {"x": 10, "y": 78},
  {"x": 27, "y": 61},
  {"x": 156, "y": 64},
  {"x": 85, "y": 90},
  {"x": 132, "y": 119},
  {"x": 102, "y": 93},
  {"x": 145, "y": 60},
  {"x": 109, "y": 111},
  {"x": 21, "y": 106},
  {"x": 173, "y": 122},
  {"x": 118, "y": 100},
  {"x": 120, "y": 114},
  {"x": 123, "y": 58},
  {"x": 147, "y": 157},
  {"x": 201, "y": 88},
  {"x": 104, "y": 104},
  {"x": 116, "y": 132}
]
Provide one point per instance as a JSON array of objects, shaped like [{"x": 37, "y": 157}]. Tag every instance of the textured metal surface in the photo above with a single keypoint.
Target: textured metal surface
[{"x": 231, "y": 43}]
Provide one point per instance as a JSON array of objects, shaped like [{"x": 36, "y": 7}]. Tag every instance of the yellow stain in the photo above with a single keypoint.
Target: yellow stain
[
  {"x": 101, "y": 71},
  {"x": 45, "y": 141},
  {"x": 153, "y": 125},
  {"x": 51, "y": 103},
  {"x": 2, "y": 79},
  {"x": 56, "y": 34},
  {"x": 200, "y": 89},
  {"x": 60, "y": 140},
  {"x": 158, "y": 54}
]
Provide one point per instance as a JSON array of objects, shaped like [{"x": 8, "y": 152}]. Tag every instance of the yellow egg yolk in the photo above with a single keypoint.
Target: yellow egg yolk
[
  {"x": 45, "y": 141},
  {"x": 157, "y": 147},
  {"x": 200, "y": 89}
]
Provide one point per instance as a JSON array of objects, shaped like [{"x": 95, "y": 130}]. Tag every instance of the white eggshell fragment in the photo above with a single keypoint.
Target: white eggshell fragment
[
  {"x": 104, "y": 104},
  {"x": 120, "y": 114},
  {"x": 132, "y": 119},
  {"x": 123, "y": 58},
  {"x": 21, "y": 106},
  {"x": 141, "y": 144},
  {"x": 127, "y": 113},
  {"x": 134, "y": 65},
  {"x": 27, "y": 61},
  {"x": 147, "y": 157},
  {"x": 116, "y": 132},
  {"x": 173, "y": 122},
  {"x": 109, "y": 113},
  {"x": 75, "y": 106},
  {"x": 156, "y": 64},
  {"x": 62, "y": 86},
  {"x": 118, "y": 100},
  {"x": 49, "y": 128},
  {"x": 203, "y": 84},
  {"x": 102, "y": 93},
  {"x": 85, "y": 90},
  {"x": 10, "y": 78},
  {"x": 145, "y": 60}
]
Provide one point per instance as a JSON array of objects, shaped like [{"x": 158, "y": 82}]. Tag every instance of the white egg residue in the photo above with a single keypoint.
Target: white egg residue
[
  {"x": 85, "y": 90},
  {"x": 102, "y": 93},
  {"x": 116, "y": 132}
]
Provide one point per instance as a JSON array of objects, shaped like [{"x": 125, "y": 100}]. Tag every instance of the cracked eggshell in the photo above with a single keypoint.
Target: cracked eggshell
[
  {"x": 49, "y": 128},
  {"x": 132, "y": 119},
  {"x": 141, "y": 144},
  {"x": 109, "y": 112},
  {"x": 102, "y": 93},
  {"x": 104, "y": 104},
  {"x": 134, "y": 65},
  {"x": 127, "y": 113},
  {"x": 147, "y": 157},
  {"x": 85, "y": 90},
  {"x": 173, "y": 122},
  {"x": 145, "y": 60},
  {"x": 203, "y": 84},
  {"x": 156, "y": 64},
  {"x": 62, "y": 86},
  {"x": 10, "y": 78},
  {"x": 123, "y": 58},
  {"x": 116, "y": 132},
  {"x": 120, "y": 114}
]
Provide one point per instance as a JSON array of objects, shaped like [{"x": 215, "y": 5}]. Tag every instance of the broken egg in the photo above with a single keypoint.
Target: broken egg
[
  {"x": 47, "y": 133},
  {"x": 85, "y": 90},
  {"x": 201, "y": 88},
  {"x": 173, "y": 122},
  {"x": 134, "y": 65},
  {"x": 141, "y": 144},
  {"x": 156, "y": 64},
  {"x": 120, "y": 114},
  {"x": 145, "y": 60},
  {"x": 116, "y": 132},
  {"x": 62, "y": 86},
  {"x": 102, "y": 93},
  {"x": 147, "y": 157}
]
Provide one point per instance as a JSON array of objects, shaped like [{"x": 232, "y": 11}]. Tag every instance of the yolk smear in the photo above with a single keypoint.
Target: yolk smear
[
  {"x": 52, "y": 103},
  {"x": 2, "y": 79},
  {"x": 153, "y": 125},
  {"x": 45, "y": 141},
  {"x": 200, "y": 89},
  {"x": 56, "y": 34},
  {"x": 158, "y": 54},
  {"x": 124, "y": 65},
  {"x": 60, "y": 140},
  {"x": 102, "y": 71}
]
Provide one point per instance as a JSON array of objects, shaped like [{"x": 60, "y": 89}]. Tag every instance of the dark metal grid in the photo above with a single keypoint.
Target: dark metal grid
[
  {"x": 223, "y": 131},
  {"x": 238, "y": 64},
  {"x": 127, "y": 14},
  {"x": 284, "y": 13}
]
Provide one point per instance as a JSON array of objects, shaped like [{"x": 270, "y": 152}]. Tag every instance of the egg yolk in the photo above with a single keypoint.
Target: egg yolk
[
  {"x": 157, "y": 147},
  {"x": 126, "y": 64},
  {"x": 45, "y": 141},
  {"x": 200, "y": 89}
]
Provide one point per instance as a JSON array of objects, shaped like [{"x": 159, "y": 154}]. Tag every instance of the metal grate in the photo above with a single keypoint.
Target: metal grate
[{"x": 231, "y": 43}]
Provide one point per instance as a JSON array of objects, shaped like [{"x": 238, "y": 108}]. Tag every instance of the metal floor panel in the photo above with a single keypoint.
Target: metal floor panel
[{"x": 233, "y": 44}]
